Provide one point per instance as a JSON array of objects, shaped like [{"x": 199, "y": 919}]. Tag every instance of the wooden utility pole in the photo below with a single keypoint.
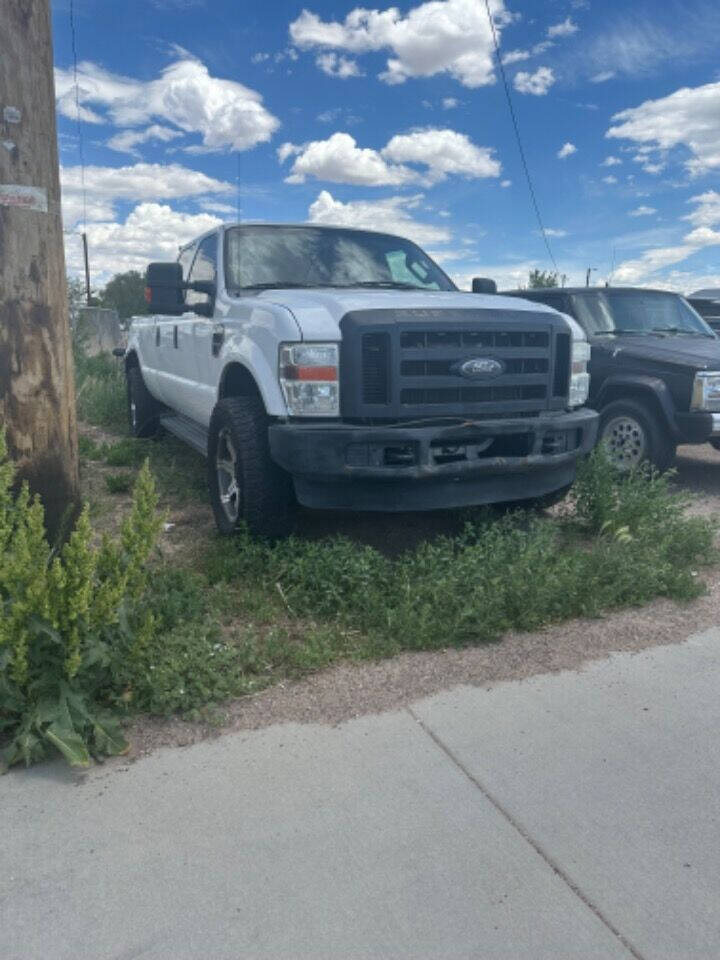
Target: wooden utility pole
[{"x": 37, "y": 396}]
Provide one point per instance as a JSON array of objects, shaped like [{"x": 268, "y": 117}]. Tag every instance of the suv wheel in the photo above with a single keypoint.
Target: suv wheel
[
  {"x": 633, "y": 434},
  {"x": 143, "y": 408},
  {"x": 246, "y": 486}
]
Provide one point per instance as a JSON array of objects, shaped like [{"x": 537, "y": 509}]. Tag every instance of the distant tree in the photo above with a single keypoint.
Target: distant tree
[
  {"x": 542, "y": 278},
  {"x": 76, "y": 297},
  {"x": 125, "y": 293}
]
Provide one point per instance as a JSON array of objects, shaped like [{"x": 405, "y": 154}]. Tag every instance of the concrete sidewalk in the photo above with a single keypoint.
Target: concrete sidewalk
[{"x": 569, "y": 816}]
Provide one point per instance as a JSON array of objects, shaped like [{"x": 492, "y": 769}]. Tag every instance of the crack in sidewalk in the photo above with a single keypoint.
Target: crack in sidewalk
[{"x": 554, "y": 866}]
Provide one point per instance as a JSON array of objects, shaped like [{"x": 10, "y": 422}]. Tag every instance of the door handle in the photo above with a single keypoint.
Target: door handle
[{"x": 218, "y": 338}]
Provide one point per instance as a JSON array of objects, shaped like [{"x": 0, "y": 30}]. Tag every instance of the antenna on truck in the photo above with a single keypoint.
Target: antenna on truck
[{"x": 238, "y": 203}]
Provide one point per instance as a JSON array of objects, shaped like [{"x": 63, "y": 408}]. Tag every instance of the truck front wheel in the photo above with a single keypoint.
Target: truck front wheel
[
  {"x": 632, "y": 434},
  {"x": 246, "y": 486}
]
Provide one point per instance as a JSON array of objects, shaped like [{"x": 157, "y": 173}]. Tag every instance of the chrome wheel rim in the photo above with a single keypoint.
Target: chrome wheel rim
[
  {"x": 226, "y": 464},
  {"x": 625, "y": 441}
]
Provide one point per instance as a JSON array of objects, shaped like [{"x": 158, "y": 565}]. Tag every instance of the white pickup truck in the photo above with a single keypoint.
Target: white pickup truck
[{"x": 342, "y": 369}]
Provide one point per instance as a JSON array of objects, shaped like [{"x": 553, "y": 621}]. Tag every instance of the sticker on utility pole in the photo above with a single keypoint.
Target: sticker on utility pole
[
  {"x": 12, "y": 115},
  {"x": 29, "y": 198}
]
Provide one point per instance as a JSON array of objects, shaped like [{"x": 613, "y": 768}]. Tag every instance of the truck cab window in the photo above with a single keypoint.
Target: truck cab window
[{"x": 204, "y": 268}]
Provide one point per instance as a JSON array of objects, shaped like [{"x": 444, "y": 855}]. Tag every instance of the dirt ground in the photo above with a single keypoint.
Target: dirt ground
[{"x": 350, "y": 690}]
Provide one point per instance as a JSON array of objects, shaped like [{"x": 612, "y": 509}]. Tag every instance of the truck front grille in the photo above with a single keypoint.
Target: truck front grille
[{"x": 402, "y": 364}]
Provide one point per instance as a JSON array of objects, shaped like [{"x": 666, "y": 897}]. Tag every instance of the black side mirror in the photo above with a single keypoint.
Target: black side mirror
[
  {"x": 207, "y": 287},
  {"x": 164, "y": 288},
  {"x": 202, "y": 286},
  {"x": 483, "y": 285}
]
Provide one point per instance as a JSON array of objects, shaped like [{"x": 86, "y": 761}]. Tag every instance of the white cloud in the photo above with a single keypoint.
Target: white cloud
[
  {"x": 340, "y": 160},
  {"x": 639, "y": 43},
  {"x": 443, "y": 152},
  {"x": 565, "y": 29},
  {"x": 704, "y": 217},
  {"x": 603, "y": 76},
  {"x": 610, "y": 179},
  {"x": 127, "y": 140},
  {"x": 689, "y": 117},
  {"x": 152, "y": 231},
  {"x": 566, "y": 150},
  {"x": 707, "y": 213},
  {"x": 392, "y": 214},
  {"x": 552, "y": 232},
  {"x": 611, "y": 162},
  {"x": 515, "y": 56},
  {"x": 142, "y": 181},
  {"x": 449, "y": 103},
  {"x": 506, "y": 183},
  {"x": 434, "y": 37},
  {"x": 213, "y": 206},
  {"x": 642, "y": 211},
  {"x": 227, "y": 115},
  {"x": 537, "y": 83},
  {"x": 337, "y": 66}
]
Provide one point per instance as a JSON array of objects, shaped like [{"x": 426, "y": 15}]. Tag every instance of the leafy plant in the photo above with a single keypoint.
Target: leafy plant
[
  {"x": 100, "y": 387},
  {"x": 118, "y": 482},
  {"x": 61, "y": 613}
]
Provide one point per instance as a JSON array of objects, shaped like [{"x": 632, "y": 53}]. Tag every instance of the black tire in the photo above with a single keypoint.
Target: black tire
[
  {"x": 633, "y": 433},
  {"x": 715, "y": 443},
  {"x": 263, "y": 497},
  {"x": 143, "y": 408}
]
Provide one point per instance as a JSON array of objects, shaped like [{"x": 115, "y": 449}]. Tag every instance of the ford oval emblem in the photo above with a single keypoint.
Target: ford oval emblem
[{"x": 482, "y": 367}]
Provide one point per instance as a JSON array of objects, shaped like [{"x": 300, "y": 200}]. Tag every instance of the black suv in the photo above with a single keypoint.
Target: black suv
[
  {"x": 654, "y": 369},
  {"x": 707, "y": 304}
]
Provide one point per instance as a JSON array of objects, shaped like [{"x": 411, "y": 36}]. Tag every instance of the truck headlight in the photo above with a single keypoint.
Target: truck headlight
[
  {"x": 579, "y": 377},
  {"x": 706, "y": 391},
  {"x": 309, "y": 379}
]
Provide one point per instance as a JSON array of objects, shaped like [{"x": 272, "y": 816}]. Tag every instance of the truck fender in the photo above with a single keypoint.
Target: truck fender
[
  {"x": 238, "y": 378},
  {"x": 651, "y": 388}
]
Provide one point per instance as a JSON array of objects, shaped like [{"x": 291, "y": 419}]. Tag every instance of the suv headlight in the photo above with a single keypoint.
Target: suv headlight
[
  {"x": 706, "y": 391},
  {"x": 579, "y": 377},
  {"x": 309, "y": 379}
]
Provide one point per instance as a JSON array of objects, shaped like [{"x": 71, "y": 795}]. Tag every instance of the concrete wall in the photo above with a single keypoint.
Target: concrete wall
[{"x": 98, "y": 329}]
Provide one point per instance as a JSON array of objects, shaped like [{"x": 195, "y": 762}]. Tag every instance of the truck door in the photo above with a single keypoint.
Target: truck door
[
  {"x": 174, "y": 343},
  {"x": 206, "y": 333}
]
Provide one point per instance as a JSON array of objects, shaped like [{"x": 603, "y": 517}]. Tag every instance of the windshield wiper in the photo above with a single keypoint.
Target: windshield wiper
[
  {"x": 620, "y": 332},
  {"x": 680, "y": 331},
  {"x": 275, "y": 285},
  {"x": 383, "y": 284}
]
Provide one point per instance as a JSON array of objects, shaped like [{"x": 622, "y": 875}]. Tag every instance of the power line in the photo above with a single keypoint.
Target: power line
[
  {"x": 517, "y": 137},
  {"x": 81, "y": 152},
  {"x": 81, "y": 149}
]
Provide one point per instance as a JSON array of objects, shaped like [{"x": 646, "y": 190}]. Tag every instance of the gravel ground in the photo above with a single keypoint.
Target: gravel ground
[{"x": 351, "y": 690}]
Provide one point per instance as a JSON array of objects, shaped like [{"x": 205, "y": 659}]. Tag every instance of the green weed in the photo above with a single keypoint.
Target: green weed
[{"x": 118, "y": 482}]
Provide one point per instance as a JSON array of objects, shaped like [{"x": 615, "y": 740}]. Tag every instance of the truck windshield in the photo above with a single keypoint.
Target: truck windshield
[
  {"x": 262, "y": 257},
  {"x": 638, "y": 313}
]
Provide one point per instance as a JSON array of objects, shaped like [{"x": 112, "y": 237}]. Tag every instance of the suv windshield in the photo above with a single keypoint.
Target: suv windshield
[
  {"x": 638, "y": 312},
  {"x": 269, "y": 256}
]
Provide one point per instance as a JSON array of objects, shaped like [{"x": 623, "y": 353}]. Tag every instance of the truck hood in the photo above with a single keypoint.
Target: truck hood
[
  {"x": 318, "y": 312},
  {"x": 677, "y": 350}
]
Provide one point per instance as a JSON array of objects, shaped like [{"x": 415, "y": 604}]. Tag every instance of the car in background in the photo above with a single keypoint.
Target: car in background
[
  {"x": 707, "y": 304},
  {"x": 654, "y": 369}
]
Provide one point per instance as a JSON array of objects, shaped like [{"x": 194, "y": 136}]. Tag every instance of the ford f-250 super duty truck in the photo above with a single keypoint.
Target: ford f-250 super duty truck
[{"x": 343, "y": 369}]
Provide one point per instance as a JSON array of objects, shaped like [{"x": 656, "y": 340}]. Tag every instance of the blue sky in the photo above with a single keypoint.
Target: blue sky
[{"x": 395, "y": 118}]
